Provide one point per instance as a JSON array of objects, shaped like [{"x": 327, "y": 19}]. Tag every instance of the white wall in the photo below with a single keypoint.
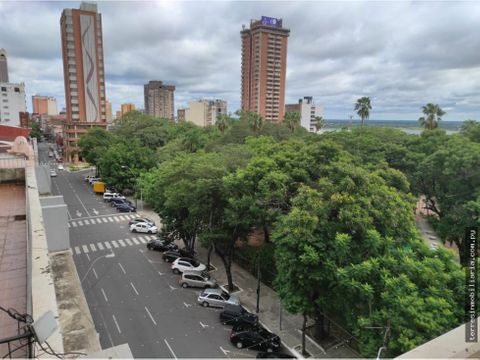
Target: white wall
[{"x": 12, "y": 103}]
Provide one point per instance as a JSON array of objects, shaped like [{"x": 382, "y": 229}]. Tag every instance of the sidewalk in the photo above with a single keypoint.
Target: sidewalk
[{"x": 285, "y": 325}]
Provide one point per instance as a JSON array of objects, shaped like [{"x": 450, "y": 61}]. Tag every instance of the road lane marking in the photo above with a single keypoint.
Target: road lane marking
[
  {"x": 121, "y": 242},
  {"x": 95, "y": 273},
  {"x": 92, "y": 246},
  {"x": 104, "y": 220},
  {"x": 74, "y": 224},
  {"x": 82, "y": 204},
  {"x": 104, "y": 295},
  {"x": 80, "y": 222},
  {"x": 110, "y": 219},
  {"x": 203, "y": 325},
  {"x": 169, "y": 348},
  {"x": 85, "y": 249},
  {"x": 116, "y": 323},
  {"x": 135, "y": 241},
  {"x": 77, "y": 250},
  {"x": 88, "y": 257},
  {"x": 100, "y": 246},
  {"x": 107, "y": 245},
  {"x": 117, "y": 219},
  {"x": 142, "y": 239},
  {"x": 151, "y": 317},
  {"x": 121, "y": 267},
  {"x": 133, "y": 287},
  {"x": 187, "y": 305},
  {"x": 114, "y": 243},
  {"x": 69, "y": 225},
  {"x": 86, "y": 222},
  {"x": 129, "y": 242}
]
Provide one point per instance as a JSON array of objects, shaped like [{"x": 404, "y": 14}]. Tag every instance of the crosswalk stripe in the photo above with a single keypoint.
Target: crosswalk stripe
[
  {"x": 98, "y": 220},
  {"x": 121, "y": 242},
  {"x": 69, "y": 225},
  {"x": 121, "y": 217},
  {"x": 114, "y": 243},
  {"x": 131, "y": 216},
  {"x": 152, "y": 237},
  {"x": 77, "y": 250},
  {"x": 110, "y": 219},
  {"x": 74, "y": 224},
  {"x": 86, "y": 222},
  {"x": 107, "y": 245},
  {"x": 129, "y": 242},
  {"x": 135, "y": 241},
  {"x": 92, "y": 246},
  {"x": 100, "y": 246},
  {"x": 142, "y": 239},
  {"x": 104, "y": 220},
  {"x": 80, "y": 223},
  {"x": 85, "y": 249},
  {"x": 117, "y": 219}
]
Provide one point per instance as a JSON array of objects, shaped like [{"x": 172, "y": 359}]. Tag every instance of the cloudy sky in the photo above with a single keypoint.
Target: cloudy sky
[{"x": 402, "y": 54}]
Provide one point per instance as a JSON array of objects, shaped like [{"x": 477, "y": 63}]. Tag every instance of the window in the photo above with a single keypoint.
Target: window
[
  {"x": 17, "y": 90},
  {"x": 4, "y": 88}
]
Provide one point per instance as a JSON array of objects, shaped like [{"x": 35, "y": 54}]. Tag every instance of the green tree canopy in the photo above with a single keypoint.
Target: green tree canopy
[
  {"x": 363, "y": 107},
  {"x": 94, "y": 143},
  {"x": 433, "y": 114}
]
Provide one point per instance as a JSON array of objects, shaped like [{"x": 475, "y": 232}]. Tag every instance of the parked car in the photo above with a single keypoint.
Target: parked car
[
  {"x": 274, "y": 355},
  {"x": 255, "y": 338},
  {"x": 172, "y": 255},
  {"x": 216, "y": 297},
  {"x": 143, "y": 228},
  {"x": 60, "y": 167},
  {"x": 125, "y": 208},
  {"x": 185, "y": 263},
  {"x": 115, "y": 201},
  {"x": 196, "y": 279},
  {"x": 53, "y": 173},
  {"x": 88, "y": 177},
  {"x": 93, "y": 179},
  {"x": 236, "y": 314},
  {"x": 107, "y": 196},
  {"x": 141, "y": 220},
  {"x": 161, "y": 245}
]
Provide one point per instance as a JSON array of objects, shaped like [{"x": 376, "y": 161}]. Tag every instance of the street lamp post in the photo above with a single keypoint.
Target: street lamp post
[{"x": 106, "y": 256}]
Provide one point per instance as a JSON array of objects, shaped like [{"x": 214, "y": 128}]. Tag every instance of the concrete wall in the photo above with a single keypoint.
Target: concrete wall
[
  {"x": 55, "y": 219},
  {"x": 44, "y": 181}
]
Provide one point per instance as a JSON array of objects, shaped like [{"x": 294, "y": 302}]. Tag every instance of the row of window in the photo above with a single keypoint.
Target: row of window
[{"x": 4, "y": 89}]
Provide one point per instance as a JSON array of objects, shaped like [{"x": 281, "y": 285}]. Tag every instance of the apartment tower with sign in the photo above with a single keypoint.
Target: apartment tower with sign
[
  {"x": 264, "y": 65},
  {"x": 83, "y": 68}
]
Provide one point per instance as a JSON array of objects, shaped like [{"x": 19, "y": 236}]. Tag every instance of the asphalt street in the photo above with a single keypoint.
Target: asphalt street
[{"x": 133, "y": 296}]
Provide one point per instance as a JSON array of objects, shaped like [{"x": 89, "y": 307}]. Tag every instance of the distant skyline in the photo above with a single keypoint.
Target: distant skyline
[{"x": 401, "y": 54}]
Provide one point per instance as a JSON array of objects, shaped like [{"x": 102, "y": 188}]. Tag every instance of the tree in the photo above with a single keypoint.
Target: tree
[
  {"x": 471, "y": 129},
  {"x": 254, "y": 120},
  {"x": 94, "y": 143},
  {"x": 433, "y": 114},
  {"x": 292, "y": 119},
  {"x": 363, "y": 107},
  {"x": 36, "y": 132},
  {"x": 222, "y": 122},
  {"x": 319, "y": 123}
]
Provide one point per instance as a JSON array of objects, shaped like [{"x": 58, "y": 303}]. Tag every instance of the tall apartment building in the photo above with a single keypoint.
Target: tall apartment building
[
  {"x": 125, "y": 108},
  {"x": 12, "y": 103},
  {"x": 205, "y": 112},
  {"x": 108, "y": 111},
  {"x": 264, "y": 65},
  {"x": 181, "y": 115},
  {"x": 3, "y": 66},
  {"x": 308, "y": 110},
  {"x": 159, "y": 99},
  {"x": 83, "y": 68},
  {"x": 44, "y": 105}
]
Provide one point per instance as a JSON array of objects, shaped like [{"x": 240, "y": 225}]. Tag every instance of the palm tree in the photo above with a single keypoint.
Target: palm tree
[
  {"x": 363, "y": 108},
  {"x": 222, "y": 122},
  {"x": 292, "y": 119},
  {"x": 255, "y": 121},
  {"x": 319, "y": 123},
  {"x": 433, "y": 114}
]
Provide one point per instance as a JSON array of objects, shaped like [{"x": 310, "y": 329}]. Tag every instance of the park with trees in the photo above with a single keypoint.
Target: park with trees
[{"x": 335, "y": 211}]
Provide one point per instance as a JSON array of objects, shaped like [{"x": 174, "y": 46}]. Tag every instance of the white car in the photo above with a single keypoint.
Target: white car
[
  {"x": 187, "y": 264},
  {"x": 107, "y": 196},
  {"x": 53, "y": 173},
  {"x": 143, "y": 228},
  {"x": 60, "y": 167}
]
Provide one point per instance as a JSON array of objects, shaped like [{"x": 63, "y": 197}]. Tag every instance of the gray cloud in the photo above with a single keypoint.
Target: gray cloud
[{"x": 401, "y": 54}]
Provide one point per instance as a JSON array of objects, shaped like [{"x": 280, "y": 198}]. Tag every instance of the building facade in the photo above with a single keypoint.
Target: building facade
[
  {"x": 125, "y": 108},
  {"x": 12, "y": 103},
  {"x": 83, "y": 68},
  {"x": 264, "y": 65},
  {"x": 181, "y": 115},
  {"x": 159, "y": 99},
  {"x": 3, "y": 66},
  {"x": 205, "y": 112},
  {"x": 308, "y": 111},
  {"x": 44, "y": 105},
  {"x": 108, "y": 111}
]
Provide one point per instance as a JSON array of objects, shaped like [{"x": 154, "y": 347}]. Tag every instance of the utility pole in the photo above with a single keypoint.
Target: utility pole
[{"x": 258, "y": 284}]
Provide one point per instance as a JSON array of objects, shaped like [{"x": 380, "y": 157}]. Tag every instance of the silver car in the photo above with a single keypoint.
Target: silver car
[
  {"x": 216, "y": 297},
  {"x": 197, "y": 279}
]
